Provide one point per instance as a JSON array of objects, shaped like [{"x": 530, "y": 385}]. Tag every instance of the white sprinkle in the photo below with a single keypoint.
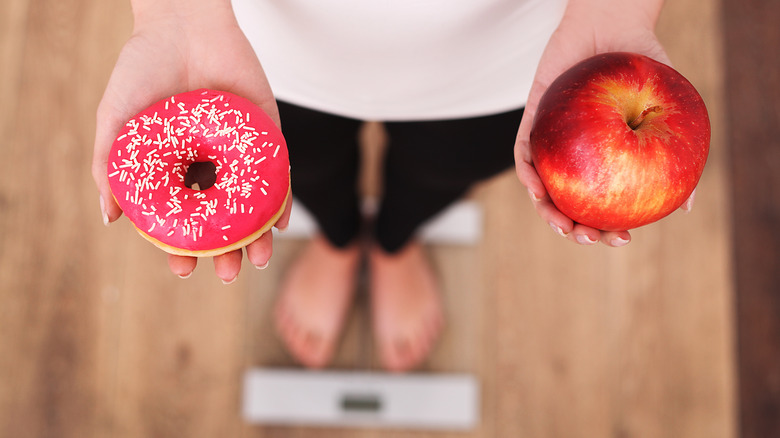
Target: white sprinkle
[
  {"x": 225, "y": 237},
  {"x": 262, "y": 189},
  {"x": 225, "y": 227},
  {"x": 276, "y": 151}
]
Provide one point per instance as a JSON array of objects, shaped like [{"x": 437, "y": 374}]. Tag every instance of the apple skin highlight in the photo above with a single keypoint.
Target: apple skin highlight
[{"x": 620, "y": 141}]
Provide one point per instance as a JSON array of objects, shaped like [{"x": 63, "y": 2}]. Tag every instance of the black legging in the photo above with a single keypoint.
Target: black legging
[{"x": 428, "y": 165}]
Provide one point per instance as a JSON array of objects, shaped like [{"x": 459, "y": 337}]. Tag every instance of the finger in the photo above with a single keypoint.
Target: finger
[
  {"x": 615, "y": 238},
  {"x": 107, "y": 125},
  {"x": 181, "y": 265},
  {"x": 584, "y": 235},
  {"x": 228, "y": 265},
  {"x": 527, "y": 175},
  {"x": 688, "y": 204},
  {"x": 558, "y": 221},
  {"x": 541, "y": 201},
  {"x": 284, "y": 219},
  {"x": 261, "y": 96},
  {"x": 259, "y": 252},
  {"x": 523, "y": 140},
  {"x": 255, "y": 87}
]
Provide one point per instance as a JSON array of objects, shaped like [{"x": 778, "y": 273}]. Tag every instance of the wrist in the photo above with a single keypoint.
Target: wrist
[
  {"x": 196, "y": 12},
  {"x": 631, "y": 13}
]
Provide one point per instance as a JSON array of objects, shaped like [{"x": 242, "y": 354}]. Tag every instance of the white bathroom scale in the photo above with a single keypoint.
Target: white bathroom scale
[
  {"x": 459, "y": 224},
  {"x": 361, "y": 399}
]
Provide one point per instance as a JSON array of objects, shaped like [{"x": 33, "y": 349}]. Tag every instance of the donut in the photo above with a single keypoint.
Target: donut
[{"x": 162, "y": 149}]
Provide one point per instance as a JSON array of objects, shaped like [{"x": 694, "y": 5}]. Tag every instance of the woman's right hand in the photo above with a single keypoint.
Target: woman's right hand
[{"x": 177, "y": 47}]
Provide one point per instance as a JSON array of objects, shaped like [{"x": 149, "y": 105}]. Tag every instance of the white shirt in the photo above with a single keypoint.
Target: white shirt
[{"x": 400, "y": 59}]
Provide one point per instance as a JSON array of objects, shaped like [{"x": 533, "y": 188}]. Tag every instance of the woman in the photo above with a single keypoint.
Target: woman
[{"x": 456, "y": 83}]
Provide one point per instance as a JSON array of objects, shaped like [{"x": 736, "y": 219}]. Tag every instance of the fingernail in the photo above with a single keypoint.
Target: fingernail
[
  {"x": 261, "y": 267},
  {"x": 103, "y": 211},
  {"x": 557, "y": 229},
  {"x": 619, "y": 241},
  {"x": 283, "y": 229},
  {"x": 533, "y": 196},
  {"x": 230, "y": 281},
  {"x": 185, "y": 276},
  {"x": 584, "y": 239},
  {"x": 688, "y": 205}
]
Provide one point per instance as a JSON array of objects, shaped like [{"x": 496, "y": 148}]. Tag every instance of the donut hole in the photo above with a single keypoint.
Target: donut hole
[{"x": 200, "y": 175}]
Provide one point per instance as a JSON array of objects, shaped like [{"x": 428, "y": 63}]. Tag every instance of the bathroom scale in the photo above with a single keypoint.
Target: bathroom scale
[
  {"x": 458, "y": 224},
  {"x": 296, "y": 397}
]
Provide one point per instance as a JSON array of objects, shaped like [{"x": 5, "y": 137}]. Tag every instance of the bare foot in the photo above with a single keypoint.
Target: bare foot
[
  {"x": 315, "y": 296},
  {"x": 406, "y": 306}
]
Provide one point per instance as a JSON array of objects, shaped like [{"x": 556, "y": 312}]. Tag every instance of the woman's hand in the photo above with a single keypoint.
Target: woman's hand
[
  {"x": 587, "y": 28},
  {"x": 177, "y": 47}
]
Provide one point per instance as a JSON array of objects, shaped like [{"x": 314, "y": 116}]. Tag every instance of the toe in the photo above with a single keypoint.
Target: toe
[
  {"x": 315, "y": 353},
  {"x": 396, "y": 356}
]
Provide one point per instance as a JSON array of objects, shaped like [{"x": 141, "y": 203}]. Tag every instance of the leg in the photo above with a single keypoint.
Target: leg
[
  {"x": 324, "y": 160},
  {"x": 428, "y": 166},
  {"x": 317, "y": 290}
]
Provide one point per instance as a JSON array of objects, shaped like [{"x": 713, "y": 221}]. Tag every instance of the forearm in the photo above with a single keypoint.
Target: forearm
[
  {"x": 622, "y": 12},
  {"x": 146, "y": 11}
]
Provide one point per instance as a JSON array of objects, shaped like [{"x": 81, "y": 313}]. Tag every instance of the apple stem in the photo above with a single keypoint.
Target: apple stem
[{"x": 641, "y": 117}]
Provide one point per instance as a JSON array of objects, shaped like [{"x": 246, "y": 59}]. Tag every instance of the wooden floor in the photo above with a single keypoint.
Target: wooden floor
[{"x": 98, "y": 339}]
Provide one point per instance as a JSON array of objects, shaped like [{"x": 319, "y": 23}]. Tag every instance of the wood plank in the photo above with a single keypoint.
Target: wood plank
[
  {"x": 753, "y": 95},
  {"x": 50, "y": 355}
]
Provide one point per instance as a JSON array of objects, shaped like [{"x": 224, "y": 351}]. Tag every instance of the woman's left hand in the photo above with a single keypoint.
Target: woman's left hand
[{"x": 588, "y": 27}]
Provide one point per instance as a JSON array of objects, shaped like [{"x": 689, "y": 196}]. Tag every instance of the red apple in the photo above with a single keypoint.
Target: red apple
[{"x": 620, "y": 141}]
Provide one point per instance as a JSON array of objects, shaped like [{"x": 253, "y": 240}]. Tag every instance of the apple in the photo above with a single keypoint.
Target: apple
[{"x": 620, "y": 141}]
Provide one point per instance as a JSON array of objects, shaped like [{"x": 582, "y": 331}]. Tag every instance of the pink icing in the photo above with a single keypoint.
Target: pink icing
[{"x": 151, "y": 155}]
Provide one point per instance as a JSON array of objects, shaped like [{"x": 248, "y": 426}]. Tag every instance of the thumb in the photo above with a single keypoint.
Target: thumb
[{"x": 107, "y": 125}]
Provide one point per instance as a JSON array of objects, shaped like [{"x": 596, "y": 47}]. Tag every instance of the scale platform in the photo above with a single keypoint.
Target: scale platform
[
  {"x": 459, "y": 224},
  {"x": 361, "y": 399}
]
